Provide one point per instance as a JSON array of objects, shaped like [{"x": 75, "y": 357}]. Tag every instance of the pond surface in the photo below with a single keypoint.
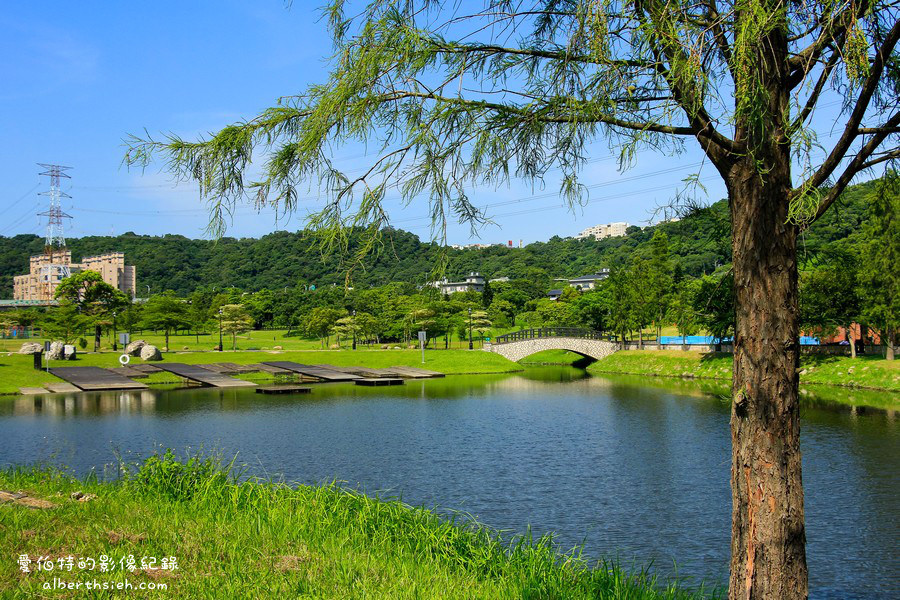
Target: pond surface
[{"x": 630, "y": 471}]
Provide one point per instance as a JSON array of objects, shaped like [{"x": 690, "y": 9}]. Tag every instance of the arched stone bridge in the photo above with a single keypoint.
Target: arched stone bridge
[{"x": 518, "y": 344}]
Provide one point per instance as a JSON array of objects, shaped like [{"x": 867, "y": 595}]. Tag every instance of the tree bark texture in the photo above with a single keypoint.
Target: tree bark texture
[
  {"x": 768, "y": 535},
  {"x": 768, "y": 538}
]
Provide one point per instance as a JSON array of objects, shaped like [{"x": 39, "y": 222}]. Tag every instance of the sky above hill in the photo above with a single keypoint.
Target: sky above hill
[{"x": 78, "y": 77}]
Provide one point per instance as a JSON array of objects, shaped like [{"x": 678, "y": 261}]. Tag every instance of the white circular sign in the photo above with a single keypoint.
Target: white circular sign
[{"x": 124, "y": 359}]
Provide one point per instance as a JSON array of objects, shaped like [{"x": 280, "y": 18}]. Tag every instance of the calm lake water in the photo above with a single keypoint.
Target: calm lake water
[{"x": 631, "y": 472}]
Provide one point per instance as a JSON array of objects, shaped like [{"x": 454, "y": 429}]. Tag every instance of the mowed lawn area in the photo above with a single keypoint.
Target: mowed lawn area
[
  {"x": 864, "y": 372},
  {"x": 16, "y": 370}
]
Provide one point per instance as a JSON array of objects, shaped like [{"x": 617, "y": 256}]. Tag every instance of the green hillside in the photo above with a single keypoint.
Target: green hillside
[{"x": 698, "y": 243}]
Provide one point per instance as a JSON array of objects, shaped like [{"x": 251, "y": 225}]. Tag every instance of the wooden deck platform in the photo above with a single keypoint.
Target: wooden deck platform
[
  {"x": 361, "y": 372},
  {"x": 322, "y": 373},
  {"x": 416, "y": 372},
  {"x": 95, "y": 378},
  {"x": 204, "y": 376},
  {"x": 270, "y": 369},
  {"x": 236, "y": 368},
  {"x": 379, "y": 381},
  {"x": 32, "y": 391},
  {"x": 130, "y": 372},
  {"x": 282, "y": 389},
  {"x": 61, "y": 388},
  {"x": 145, "y": 368}
]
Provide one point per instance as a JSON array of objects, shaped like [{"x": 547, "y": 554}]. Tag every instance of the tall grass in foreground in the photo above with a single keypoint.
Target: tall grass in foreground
[{"x": 235, "y": 537}]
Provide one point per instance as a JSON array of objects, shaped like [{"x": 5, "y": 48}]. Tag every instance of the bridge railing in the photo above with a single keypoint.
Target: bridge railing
[{"x": 548, "y": 332}]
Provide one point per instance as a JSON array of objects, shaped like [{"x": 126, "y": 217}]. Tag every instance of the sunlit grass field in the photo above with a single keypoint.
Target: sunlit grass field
[{"x": 16, "y": 370}]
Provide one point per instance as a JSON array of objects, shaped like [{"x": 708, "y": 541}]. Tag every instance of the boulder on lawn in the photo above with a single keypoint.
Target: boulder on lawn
[
  {"x": 31, "y": 348},
  {"x": 134, "y": 348},
  {"x": 57, "y": 350},
  {"x": 69, "y": 352},
  {"x": 149, "y": 352}
]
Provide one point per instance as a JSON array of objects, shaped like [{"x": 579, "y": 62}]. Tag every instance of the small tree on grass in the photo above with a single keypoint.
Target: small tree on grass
[
  {"x": 93, "y": 298},
  {"x": 681, "y": 312},
  {"x": 714, "y": 305},
  {"x": 829, "y": 293},
  {"x": 320, "y": 322},
  {"x": 619, "y": 300},
  {"x": 64, "y": 322},
  {"x": 235, "y": 320},
  {"x": 879, "y": 276},
  {"x": 167, "y": 312}
]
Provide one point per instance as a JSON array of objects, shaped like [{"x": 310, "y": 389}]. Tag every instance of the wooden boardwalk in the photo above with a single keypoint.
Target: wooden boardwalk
[
  {"x": 145, "y": 368},
  {"x": 271, "y": 370},
  {"x": 403, "y": 372},
  {"x": 282, "y": 389},
  {"x": 61, "y": 388},
  {"x": 323, "y": 373},
  {"x": 204, "y": 376},
  {"x": 379, "y": 381},
  {"x": 130, "y": 372},
  {"x": 360, "y": 372},
  {"x": 95, "y": 378},
  {"x": 416, "y": 372}
]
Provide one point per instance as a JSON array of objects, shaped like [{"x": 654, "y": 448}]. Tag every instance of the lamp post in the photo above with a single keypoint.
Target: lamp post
[
  {"x": 220, "y": 329},
  {"x": 354, "y": 330},
  {"x": 148, "y": 291},
  {"x": 115, "y": 334},
  {"x": 470, "y": 328}
]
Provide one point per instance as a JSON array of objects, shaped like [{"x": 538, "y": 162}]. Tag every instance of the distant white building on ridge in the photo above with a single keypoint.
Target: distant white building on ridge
[{"x": 598, "y": 232}]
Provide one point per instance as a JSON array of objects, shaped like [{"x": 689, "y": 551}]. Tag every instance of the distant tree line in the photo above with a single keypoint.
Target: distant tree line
[{"x": 698, "y": 244}]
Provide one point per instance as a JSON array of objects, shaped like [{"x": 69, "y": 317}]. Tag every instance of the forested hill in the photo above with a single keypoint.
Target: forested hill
[{"x": 283, "y": 259}]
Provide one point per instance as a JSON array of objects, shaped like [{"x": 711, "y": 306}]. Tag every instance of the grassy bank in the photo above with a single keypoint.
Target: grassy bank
[
  {"x": 251, "y": 340},
  {"x": 17, "y": 370},
  {"x": 864, "y": 372},
  {"x": 243, "y": 540}
]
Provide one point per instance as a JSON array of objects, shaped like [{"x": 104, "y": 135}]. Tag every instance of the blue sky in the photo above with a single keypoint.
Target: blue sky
[{"x": 78, "y": 77}]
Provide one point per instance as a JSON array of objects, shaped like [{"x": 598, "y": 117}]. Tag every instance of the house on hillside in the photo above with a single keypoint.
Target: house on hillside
[
  {"x": 589, "y": 282},
  {"x": 473, "y": 282}
]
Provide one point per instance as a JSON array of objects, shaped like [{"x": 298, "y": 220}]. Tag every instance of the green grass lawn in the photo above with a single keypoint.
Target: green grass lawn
[
  {"x": 864, "y": 372},
  {"x": 252, "y": 340},
  {"x": 17, "y": 370},
  {"x": 261, "y": 540}
]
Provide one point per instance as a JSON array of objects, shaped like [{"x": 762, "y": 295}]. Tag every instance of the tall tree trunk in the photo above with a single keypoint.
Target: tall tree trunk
[
  {"x": 98, "y": 332},
  {"x": 851, "y": 340},
  {"x": 768, "y": 543},
  {"x": 888, "y": 342}
]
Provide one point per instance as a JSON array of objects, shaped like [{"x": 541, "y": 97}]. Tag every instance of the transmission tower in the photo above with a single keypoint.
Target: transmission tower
[
  {"x": 55, "y": 265},
  {"x": 55, "y": 236}
]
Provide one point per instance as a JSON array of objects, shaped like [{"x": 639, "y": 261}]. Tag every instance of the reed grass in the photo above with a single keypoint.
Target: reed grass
[{"x": 238, "y": 537}]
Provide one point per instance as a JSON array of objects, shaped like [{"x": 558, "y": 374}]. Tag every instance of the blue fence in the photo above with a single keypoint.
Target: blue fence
[{"x": 805, "y": 340}]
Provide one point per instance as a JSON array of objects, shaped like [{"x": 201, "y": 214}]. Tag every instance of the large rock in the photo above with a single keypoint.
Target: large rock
[
  {"x": 31, "y": 348},
  {"x": 134, "y": 348},
  {"x": 57, "y": 350},
  {"x": 149, "y": 352}
]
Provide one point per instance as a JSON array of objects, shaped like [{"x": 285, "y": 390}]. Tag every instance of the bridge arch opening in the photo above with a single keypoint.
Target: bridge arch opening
[{"x": 559, "y": 356}]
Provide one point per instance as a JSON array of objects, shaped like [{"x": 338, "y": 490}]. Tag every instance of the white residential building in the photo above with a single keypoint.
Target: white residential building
[
  {"x": 599, "y": 232},
  {"x": 473, "y": 282}
]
